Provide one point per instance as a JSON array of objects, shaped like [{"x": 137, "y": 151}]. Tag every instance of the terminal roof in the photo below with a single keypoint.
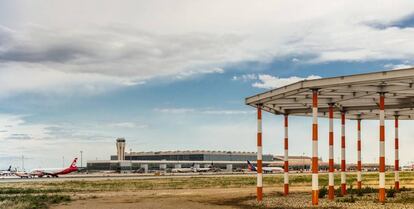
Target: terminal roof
[{"x": 357, "y": 95}]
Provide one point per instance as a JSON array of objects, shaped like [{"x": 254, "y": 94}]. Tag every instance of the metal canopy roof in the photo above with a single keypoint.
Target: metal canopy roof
[{"x": 357, "y": 95}]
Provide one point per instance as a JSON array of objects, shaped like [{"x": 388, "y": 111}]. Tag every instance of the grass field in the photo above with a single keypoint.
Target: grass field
[{"x": 43, "y": 194}]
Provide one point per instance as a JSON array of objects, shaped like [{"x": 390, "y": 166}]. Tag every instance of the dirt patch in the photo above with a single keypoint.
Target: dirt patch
[
  {"x": 185, "y": 199},
  {"x": 241, "y": 198},
  {"x": 133, "y": 203}
]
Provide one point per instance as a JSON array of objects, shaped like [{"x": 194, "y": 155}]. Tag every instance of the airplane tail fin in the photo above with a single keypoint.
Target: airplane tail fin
[
  {"x": 9, "y": 168},
  {"x": 250, "y": 166},
  {"x": 74, "y": 163}
]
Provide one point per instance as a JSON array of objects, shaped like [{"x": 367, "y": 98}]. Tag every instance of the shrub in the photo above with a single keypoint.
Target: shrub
[
  {"x": 350, "y": 199},
  {"x": 322, "y": 192},
  {"x": 338, "y": 192},
  {"x": 406, "y": 199},
  {"x": 359, "y": 193},
  {"x": 363, "y": 190},
  {"x": 391, "y": 192},
  {"x": 369, "y": 190}
]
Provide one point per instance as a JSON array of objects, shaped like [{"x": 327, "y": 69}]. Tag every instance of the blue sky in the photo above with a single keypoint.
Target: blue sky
[{"x": 174, "y": 75}]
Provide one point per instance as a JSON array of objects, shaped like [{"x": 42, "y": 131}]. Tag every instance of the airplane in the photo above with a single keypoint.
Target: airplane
[
  {"x": 54, "y": 172},
  {"x": 184, "y": 170},
  {"x": 194, "y": 169},
  {"x": 407, "y": 168},
  {"x": 203, "y": 169},
  {"x": 7, "y": 172},
  {"x": 23, "y": 174},
  {"x": 265, "y": 169},
  {"x": 210, "y": 168}
]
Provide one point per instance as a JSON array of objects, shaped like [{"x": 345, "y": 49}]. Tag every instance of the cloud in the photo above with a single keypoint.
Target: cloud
[
  {"x": 19, "y": 137},
  {"x": 116, "y": 50},
  {"x": 227, "y": 112},
  {"x": 127, "y": 125},
  {"x": 398, "y": 66},
  {"x": 206, "y": 111},
  {"x": 245, "y": 77},
  {"x": 187, "y": 74},
  {"x": 265, "y": 81},
  {"x": 15, "y": 127},
  {"x": 184, "y": 40},
  {"x": 34, "y": 78},
  {"x": 271, "y": 82},
  {"x": 175, "y": 110}
]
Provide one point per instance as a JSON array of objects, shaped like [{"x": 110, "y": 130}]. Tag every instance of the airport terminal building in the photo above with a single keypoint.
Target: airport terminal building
[
  {"x": 225, "y": 160},
  {"x": 197, "y": 155},
  {"x": 165, "y": 160}
]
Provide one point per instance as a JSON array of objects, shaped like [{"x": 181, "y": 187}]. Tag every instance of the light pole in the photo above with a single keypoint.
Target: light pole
[
  {"x": 63, "y": 161},
  {"x": 23, "y": 162},
  {"x": 81, "y": 152},
  {"x": 303, "y": 161},
  {"x": 130, "y": 158}
]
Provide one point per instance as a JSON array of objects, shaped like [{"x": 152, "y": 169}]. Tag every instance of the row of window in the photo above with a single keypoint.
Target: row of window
[{"x": 196, "y": 157}]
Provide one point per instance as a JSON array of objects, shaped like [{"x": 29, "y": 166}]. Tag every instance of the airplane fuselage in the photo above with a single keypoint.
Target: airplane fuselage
[{"x": 53, "y": 171}]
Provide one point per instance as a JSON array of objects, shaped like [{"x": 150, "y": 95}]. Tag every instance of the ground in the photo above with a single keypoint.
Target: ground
[{"x": 215, "y": 192}]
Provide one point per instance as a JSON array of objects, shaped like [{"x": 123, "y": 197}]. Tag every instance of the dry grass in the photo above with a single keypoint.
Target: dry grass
[
  {"x": 29, "y": 201},
  {"x": 19, "y": 195},
  {"x": 296, "y": 180}
]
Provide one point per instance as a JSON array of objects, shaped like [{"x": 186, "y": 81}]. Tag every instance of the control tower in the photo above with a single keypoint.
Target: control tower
[{"x": 120, "y": 148}]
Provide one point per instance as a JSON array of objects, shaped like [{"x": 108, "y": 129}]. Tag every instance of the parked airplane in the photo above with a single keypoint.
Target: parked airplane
[
  {"x": 203, "y": 169},
  {"x": 210, "y": 168},
  {"x": 7, "y": 172},
  {"x": 54, "y": 172},
  {"x": 23, "y": 174},
  {"x": 265, "y": 169},
  {"x": 408, "y": 168},
  {"x": 184, "y": 170}
]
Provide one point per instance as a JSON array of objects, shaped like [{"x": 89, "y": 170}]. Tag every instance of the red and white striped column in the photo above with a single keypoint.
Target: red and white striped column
[
  {"x": 359, "y": 165},
  {"x": 397, "y": 160},
  {"x": 286, "y": 166},
  {"x": 381, "y": 195},
  {"x": 331, "y": 189},
  {"x": 343, "y": 162},
  {"x": 259, "y": 155},
  {"x": 315, "y": 169}
]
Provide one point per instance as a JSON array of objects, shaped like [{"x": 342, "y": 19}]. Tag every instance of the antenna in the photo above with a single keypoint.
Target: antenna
[{"x": 23, "y": 162}]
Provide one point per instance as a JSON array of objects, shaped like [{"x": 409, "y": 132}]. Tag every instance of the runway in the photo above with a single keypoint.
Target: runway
[
  {"x": 112, "y": 176},
  {"x": 100, "y": 176}
]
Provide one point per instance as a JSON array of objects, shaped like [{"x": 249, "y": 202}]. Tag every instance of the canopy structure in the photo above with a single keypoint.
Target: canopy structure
[
  {"x": 373, "y": 96},
  {"x": 357, "y": 95}
]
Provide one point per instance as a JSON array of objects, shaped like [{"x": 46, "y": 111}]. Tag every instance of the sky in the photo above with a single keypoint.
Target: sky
[{"x": 173, "y": 75}]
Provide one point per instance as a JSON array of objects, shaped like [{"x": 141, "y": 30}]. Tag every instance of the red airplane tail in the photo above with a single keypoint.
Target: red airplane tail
[{"x": 73, "y": 165}]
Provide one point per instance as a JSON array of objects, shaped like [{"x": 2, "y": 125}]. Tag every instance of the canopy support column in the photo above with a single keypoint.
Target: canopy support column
[
  {"x": 381, "y": 195},
  {"x": 397, "y": 160},
  {"x": 359, "y": 165},
  {"x": 259, "y": 155},
  {"x": 315, "y": 169},
  {"x": 343, "y": 161},
  {"x": 331, "y": 188},
  {"x": 286, "y": 165}
]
